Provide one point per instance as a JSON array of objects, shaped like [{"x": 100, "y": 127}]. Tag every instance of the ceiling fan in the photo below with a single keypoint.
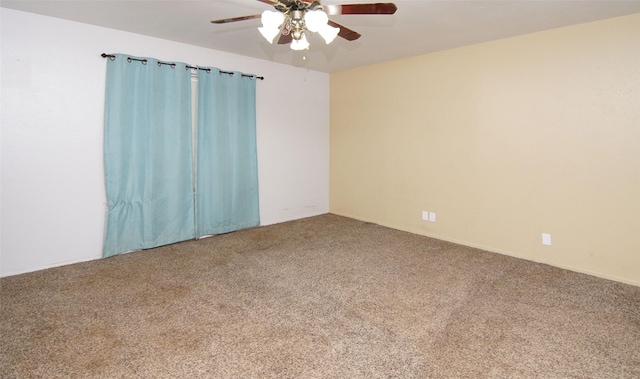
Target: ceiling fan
[{"x": 293, "y": 18}]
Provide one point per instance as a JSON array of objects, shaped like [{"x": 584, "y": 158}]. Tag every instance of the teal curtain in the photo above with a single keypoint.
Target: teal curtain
[
  {"x": 147, "y": 154},
  {"x": 226, "y": 157}
]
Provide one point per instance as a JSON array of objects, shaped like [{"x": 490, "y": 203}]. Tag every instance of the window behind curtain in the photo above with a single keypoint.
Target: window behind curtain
[
  {"x": 227, "y": 165},
  {"x": 148, "y": 150},
  {"x": 151, "y": 154}
]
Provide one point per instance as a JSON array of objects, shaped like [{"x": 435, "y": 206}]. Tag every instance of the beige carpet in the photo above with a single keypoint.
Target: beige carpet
[{"x": 324, "y": 297}]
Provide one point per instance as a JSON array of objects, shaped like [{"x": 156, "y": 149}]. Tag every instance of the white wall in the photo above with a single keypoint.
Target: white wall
[{"x": 52, "y": 185}]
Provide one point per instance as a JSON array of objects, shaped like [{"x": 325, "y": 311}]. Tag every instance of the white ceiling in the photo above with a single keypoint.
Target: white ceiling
[{"x": 418, "y": 27}]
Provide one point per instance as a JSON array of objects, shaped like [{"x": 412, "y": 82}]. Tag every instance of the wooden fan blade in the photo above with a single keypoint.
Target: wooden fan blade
[
  {"x": 346, "y": 33},
  {"x": 373, "y": 8},
  {"x": 285, "y": 39},
  {"x": 234, "y": 19}
]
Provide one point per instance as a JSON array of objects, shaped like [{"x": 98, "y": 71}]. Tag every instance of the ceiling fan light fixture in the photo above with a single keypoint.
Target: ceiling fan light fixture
[
  {"x": 295, "y": 17},
  {"x": 300, "y": 44},
  {"x": 271, "y": 22},
  {"x": 271, "y": 19},
  {"x": 269, "y": 33},
  {"x": 315, "y": 20},
  {"x": 329, "y": 33}
]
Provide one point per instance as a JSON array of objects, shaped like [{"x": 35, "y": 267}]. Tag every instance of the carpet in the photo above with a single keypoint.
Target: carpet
[{"x": 322, "y": 297}]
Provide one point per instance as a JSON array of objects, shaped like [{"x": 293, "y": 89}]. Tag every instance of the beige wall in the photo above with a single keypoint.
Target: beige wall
[{"x": 504, "y": 141}]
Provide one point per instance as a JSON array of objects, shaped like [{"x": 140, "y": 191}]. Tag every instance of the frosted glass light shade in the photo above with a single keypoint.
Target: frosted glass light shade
[
  {"x": 269, "y": 33},
  {"x": 272, "y": 19},
  {"x": 329, "y": 33},
  {"x": 315, "y": 20},
  {"x": 271, "y": 22},
  {"x": 300, "y": 44}
]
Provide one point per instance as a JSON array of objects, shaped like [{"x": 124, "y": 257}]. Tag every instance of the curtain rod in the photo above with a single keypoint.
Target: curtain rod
[{"x": 173, "y": 65}]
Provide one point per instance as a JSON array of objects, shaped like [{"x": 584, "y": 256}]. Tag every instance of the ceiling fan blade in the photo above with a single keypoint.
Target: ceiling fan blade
[
  {"x": 234, "y": 19},
  {"x": 285, "y": 39},
  {"x": 346, "y": 33},
  {"x": 372, "y": 8}
]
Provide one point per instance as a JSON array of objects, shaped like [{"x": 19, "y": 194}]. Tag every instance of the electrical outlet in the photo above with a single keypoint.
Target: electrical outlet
[
  {"x": 432, "y": 217},
  {"x": 546, "y": 239},
  {"x": 425, "y": 215}
]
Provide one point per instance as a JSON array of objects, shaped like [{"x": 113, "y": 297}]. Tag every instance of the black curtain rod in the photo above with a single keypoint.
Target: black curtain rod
[{"x": 173, "y": 65}]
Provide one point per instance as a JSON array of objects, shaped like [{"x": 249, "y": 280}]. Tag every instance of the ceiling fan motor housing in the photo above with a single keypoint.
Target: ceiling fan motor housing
[{"x": 297, "y": 23}]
